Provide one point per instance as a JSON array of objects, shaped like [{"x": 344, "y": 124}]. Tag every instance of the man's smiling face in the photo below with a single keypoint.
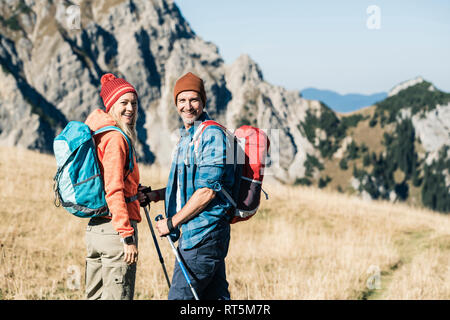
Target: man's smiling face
[{"x": 189, "y": 107}]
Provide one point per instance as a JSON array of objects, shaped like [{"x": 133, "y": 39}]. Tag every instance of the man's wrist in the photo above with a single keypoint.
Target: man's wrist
[
  {"x": 156, "y": 196},
  {"x": 170, "y": 224}
]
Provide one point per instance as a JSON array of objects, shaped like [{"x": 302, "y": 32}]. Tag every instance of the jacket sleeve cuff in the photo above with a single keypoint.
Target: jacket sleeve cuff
[{"x": 209, "y": 177}]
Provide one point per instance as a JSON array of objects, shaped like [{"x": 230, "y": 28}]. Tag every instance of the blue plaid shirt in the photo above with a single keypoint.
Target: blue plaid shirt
[{"x": 191, "y": 171}]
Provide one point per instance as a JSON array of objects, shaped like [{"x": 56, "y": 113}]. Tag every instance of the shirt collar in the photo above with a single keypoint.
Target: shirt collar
[{"x": 190, "y": 132}]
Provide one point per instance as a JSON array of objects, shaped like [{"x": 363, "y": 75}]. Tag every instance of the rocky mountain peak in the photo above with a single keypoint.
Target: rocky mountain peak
[
  {"x": 405, "y": 84},
  {"x": 245, "y": 70}
]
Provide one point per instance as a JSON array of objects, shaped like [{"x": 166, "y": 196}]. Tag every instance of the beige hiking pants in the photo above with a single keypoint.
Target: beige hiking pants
[{"x": 108, "y": 277}]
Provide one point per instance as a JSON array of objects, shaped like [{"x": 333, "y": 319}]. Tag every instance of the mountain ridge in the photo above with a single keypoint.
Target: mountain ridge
[
  {"x": 342, "y": 103},
  {"x": 51, "y": 75}
]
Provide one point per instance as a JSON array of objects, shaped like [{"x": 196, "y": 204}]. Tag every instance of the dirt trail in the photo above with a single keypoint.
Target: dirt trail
[{"x": 409, "y": 244}]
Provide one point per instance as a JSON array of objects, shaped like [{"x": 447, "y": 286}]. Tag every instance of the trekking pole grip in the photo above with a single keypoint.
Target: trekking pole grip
[{"x": 169, "y": 222}]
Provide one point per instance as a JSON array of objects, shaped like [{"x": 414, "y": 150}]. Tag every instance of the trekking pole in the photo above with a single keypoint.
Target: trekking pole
[
  {"x": 157, "y": 246},
  {"x": 183, "y": 269}
]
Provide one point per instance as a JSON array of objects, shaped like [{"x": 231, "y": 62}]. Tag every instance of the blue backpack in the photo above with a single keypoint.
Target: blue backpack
[{"x": 78, "y": 184}]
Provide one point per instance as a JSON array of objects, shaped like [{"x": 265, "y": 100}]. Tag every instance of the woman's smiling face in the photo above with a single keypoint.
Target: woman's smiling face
[{"x": 125, "y": 108}]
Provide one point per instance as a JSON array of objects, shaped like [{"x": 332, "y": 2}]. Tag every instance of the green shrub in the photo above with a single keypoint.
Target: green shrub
[
  {"x": 343, "y": 164},
  {"x": 435, "y": 193},
  {"x": 323, "y": 182},
  {"x": 302, "y": 181},
  {"x": 366, "y": 160},
  {"x": 12, "y": 23},
  {"x": 334, "y": 129},
  {"x": 373, "y": 121},
  {"x": 352, "y": 151},
  {"x": 352, "y": 121},
  {"x": 311, "y": 163}
]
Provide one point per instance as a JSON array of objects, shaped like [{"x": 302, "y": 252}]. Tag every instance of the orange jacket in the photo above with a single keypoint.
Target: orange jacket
[{"x": 112, "y": 152}]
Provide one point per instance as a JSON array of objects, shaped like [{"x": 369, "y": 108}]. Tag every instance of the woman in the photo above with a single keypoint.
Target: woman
[{"x": 112, "y": 240}]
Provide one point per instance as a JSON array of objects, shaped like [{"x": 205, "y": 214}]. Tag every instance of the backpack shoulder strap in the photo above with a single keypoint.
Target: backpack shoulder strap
[
  {"x": 195, "y": 140},
  {"x": 130, "y": 147},
  {"x": 201, "y": 128}
]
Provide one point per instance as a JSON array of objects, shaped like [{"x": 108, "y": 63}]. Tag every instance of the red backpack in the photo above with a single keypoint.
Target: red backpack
[{"x": 251, "y": 148}]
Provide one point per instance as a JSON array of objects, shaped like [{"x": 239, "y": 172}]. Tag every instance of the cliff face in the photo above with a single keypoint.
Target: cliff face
[{"x": 58, "y": 68}]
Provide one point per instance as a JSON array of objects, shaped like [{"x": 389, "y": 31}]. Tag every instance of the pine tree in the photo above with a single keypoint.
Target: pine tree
[{"x": 435, "y": 193}]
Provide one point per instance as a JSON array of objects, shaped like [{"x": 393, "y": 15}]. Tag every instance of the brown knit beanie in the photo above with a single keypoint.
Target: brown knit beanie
[
  {"x": 189, "y": 82},
  {"x": 113, "y": 88}
]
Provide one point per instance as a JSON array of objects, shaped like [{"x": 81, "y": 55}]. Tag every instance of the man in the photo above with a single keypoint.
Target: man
[{"x": 193, "y": 200}]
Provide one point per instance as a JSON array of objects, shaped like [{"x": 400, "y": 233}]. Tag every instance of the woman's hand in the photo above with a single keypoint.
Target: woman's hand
[{"x": 131, "y": 253}]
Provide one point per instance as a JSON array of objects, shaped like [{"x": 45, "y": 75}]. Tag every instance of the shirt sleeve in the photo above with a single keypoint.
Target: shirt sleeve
[
  {"x": 113, "y": 162},
  {"x": 211, "y": 159}
]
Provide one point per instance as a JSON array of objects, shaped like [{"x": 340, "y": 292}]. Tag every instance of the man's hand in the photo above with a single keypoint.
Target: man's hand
[
  {"x": 131, "y": 253},
  {"x": 147, "y": 195},
  {"x": 162, "y": 228},
  {"x": 194, "y": 206},
  {"x": 143, "y": 195}
]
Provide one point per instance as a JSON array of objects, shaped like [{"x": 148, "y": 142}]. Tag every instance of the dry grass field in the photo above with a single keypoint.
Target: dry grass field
[{"x": 304, "y": 243}]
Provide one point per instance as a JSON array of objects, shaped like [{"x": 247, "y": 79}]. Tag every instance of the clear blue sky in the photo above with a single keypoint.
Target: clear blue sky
[{"x": 327, "y": 44}]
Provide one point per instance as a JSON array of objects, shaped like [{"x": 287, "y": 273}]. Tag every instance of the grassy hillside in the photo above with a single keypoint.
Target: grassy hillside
[{"x": 305, "y": 243}]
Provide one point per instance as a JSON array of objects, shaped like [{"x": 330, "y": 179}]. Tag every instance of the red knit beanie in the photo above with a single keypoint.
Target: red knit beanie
[
  {"x": 189, "y": 82},
  {"x": 113, "y": 88}
]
